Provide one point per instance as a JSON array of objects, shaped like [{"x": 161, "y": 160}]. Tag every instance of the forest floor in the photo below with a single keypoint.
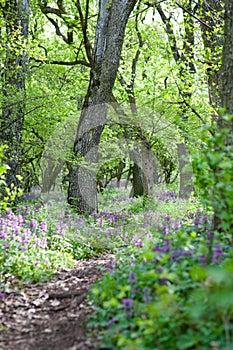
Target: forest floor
[{"x": 51, "y": 315}]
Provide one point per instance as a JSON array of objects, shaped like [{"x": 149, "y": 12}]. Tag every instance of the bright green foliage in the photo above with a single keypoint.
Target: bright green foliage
[
  {"x": 29, "y": 248},
  {"x": 214, "y": 176},
  {"x": 154, "y": 301},
  {"x": 7, "y": 195}
]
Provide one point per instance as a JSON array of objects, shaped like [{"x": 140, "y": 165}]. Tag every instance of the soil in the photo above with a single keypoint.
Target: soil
[{"x": 52, "y": 315}]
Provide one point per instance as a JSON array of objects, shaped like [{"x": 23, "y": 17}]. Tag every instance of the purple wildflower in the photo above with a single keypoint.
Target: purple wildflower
[
  {"x": 146, "y": 298},
  {"x": 33, "y": 224},
  {"x": 135, "y": 290},
  {"x": 2, "y": 296},
  {"x": 24, "y": 248},
  {"x": 196, "y": 221},
  {"x": 218, "y": 254},
  {"x": 3, "y": 235},
  {"x": 43, "y": 242},
  {"x": 7, "y": 245},
  {"x": 160, "y": 269},
  {"x": 111, "y": 322},
  {"x": 132, "y": 278},
  {"x": 127, "y": 303},
  {"x": 163, "y": 281},
  {"x": 17, "y": 231},
  {"x": 157, "y": 249},
  {"x": 203, "y": 259},
  {"x": 24, "y": 239},
  {"x": 110, "y": 265},
  {"x": 43, "y": 226},
  {"x": 138, "y": 244},
  {"x": 60, "y": 230}
]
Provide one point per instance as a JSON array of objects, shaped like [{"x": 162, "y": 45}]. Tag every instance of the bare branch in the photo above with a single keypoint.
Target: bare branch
[
  {"x": 58, "y": 31},
  {"x": 52, "y": 10},
  {"x": 170, "y": 33},
  {"x": 194, "y": 16},
  {"x": 84, "y": 21},
  {"x": 64, "y": 63}
]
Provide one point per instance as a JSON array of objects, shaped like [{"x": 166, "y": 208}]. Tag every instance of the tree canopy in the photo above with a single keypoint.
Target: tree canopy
[{"x": 147, "y": 72}]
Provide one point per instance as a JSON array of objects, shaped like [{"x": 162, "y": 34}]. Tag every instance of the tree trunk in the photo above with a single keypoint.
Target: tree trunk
[
  {"x": 147, "y": 166},
  {"x": 109, "y": 36},
  {"x": 184, "y": 59},
  {"x": 138, "y": 181},
  {"x": 222, "y": 190},
  {"x": 120, "y": 169},
  {"x": 211, "y": 13},
  {"x": 186, "y": 175},
  {"x": 226, "y": 93},
  {"x": 16, "y": 17},
  {"x": 155, "y": 169},
  {"x": 50, "y": 174},
  {"x": 142, "y": 171}
]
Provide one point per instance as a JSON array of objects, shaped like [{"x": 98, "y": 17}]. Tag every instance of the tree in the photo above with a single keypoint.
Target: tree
[
  {"x": 141, "y": 155},
  {"x": 211, "y": 24},
  {"x": 13, "y": 37},
  {"x": 223, "y": 165},
  {"x": 186, "y": 67},
  {"x": 109, "y": 36}
]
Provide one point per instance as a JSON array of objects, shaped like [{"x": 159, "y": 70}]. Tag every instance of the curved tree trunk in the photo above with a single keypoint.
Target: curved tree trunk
[{"x": 109, "y": 36}]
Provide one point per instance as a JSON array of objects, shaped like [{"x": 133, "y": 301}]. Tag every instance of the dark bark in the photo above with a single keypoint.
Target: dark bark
[
  {"x": 142, "y": 172},
  {"x": 16, "y": 18},
  {"x": 138, "y": 181},
  {"x": 109, "y": 36}
]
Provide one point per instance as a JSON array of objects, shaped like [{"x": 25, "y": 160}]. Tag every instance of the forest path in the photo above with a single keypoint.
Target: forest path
[{"x": 51, "y": 316}]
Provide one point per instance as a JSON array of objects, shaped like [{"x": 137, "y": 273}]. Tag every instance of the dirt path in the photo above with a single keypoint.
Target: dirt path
[{"x": 52, "y": 315}]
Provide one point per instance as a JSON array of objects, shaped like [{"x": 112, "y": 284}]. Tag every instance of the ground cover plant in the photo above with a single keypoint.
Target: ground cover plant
[
  {"x": 171, "y": 287},
  {"x": 159, "y": 293}
]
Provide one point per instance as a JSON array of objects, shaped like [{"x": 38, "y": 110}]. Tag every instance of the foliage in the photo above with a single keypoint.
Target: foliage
[
  {"x": 27, "y": 246},
  {"x": 42, "y": 234},
  {"x": 160, "y": 294},
  {"x": 7, "y": 195},
  {"x": 214, "y": 176},
  {"x": 158, "y": 284}
]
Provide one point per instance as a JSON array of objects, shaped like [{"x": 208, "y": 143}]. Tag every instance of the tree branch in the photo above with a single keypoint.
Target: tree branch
[
  {"x": 64, "y": 63},
  {"x": 194, "y": 16},
  {"x": 58, "y": 31},
  {"x": 47, "y": 9},
  {"x": 84, "y": 21},
  {"x": 170, "y": 33}
]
